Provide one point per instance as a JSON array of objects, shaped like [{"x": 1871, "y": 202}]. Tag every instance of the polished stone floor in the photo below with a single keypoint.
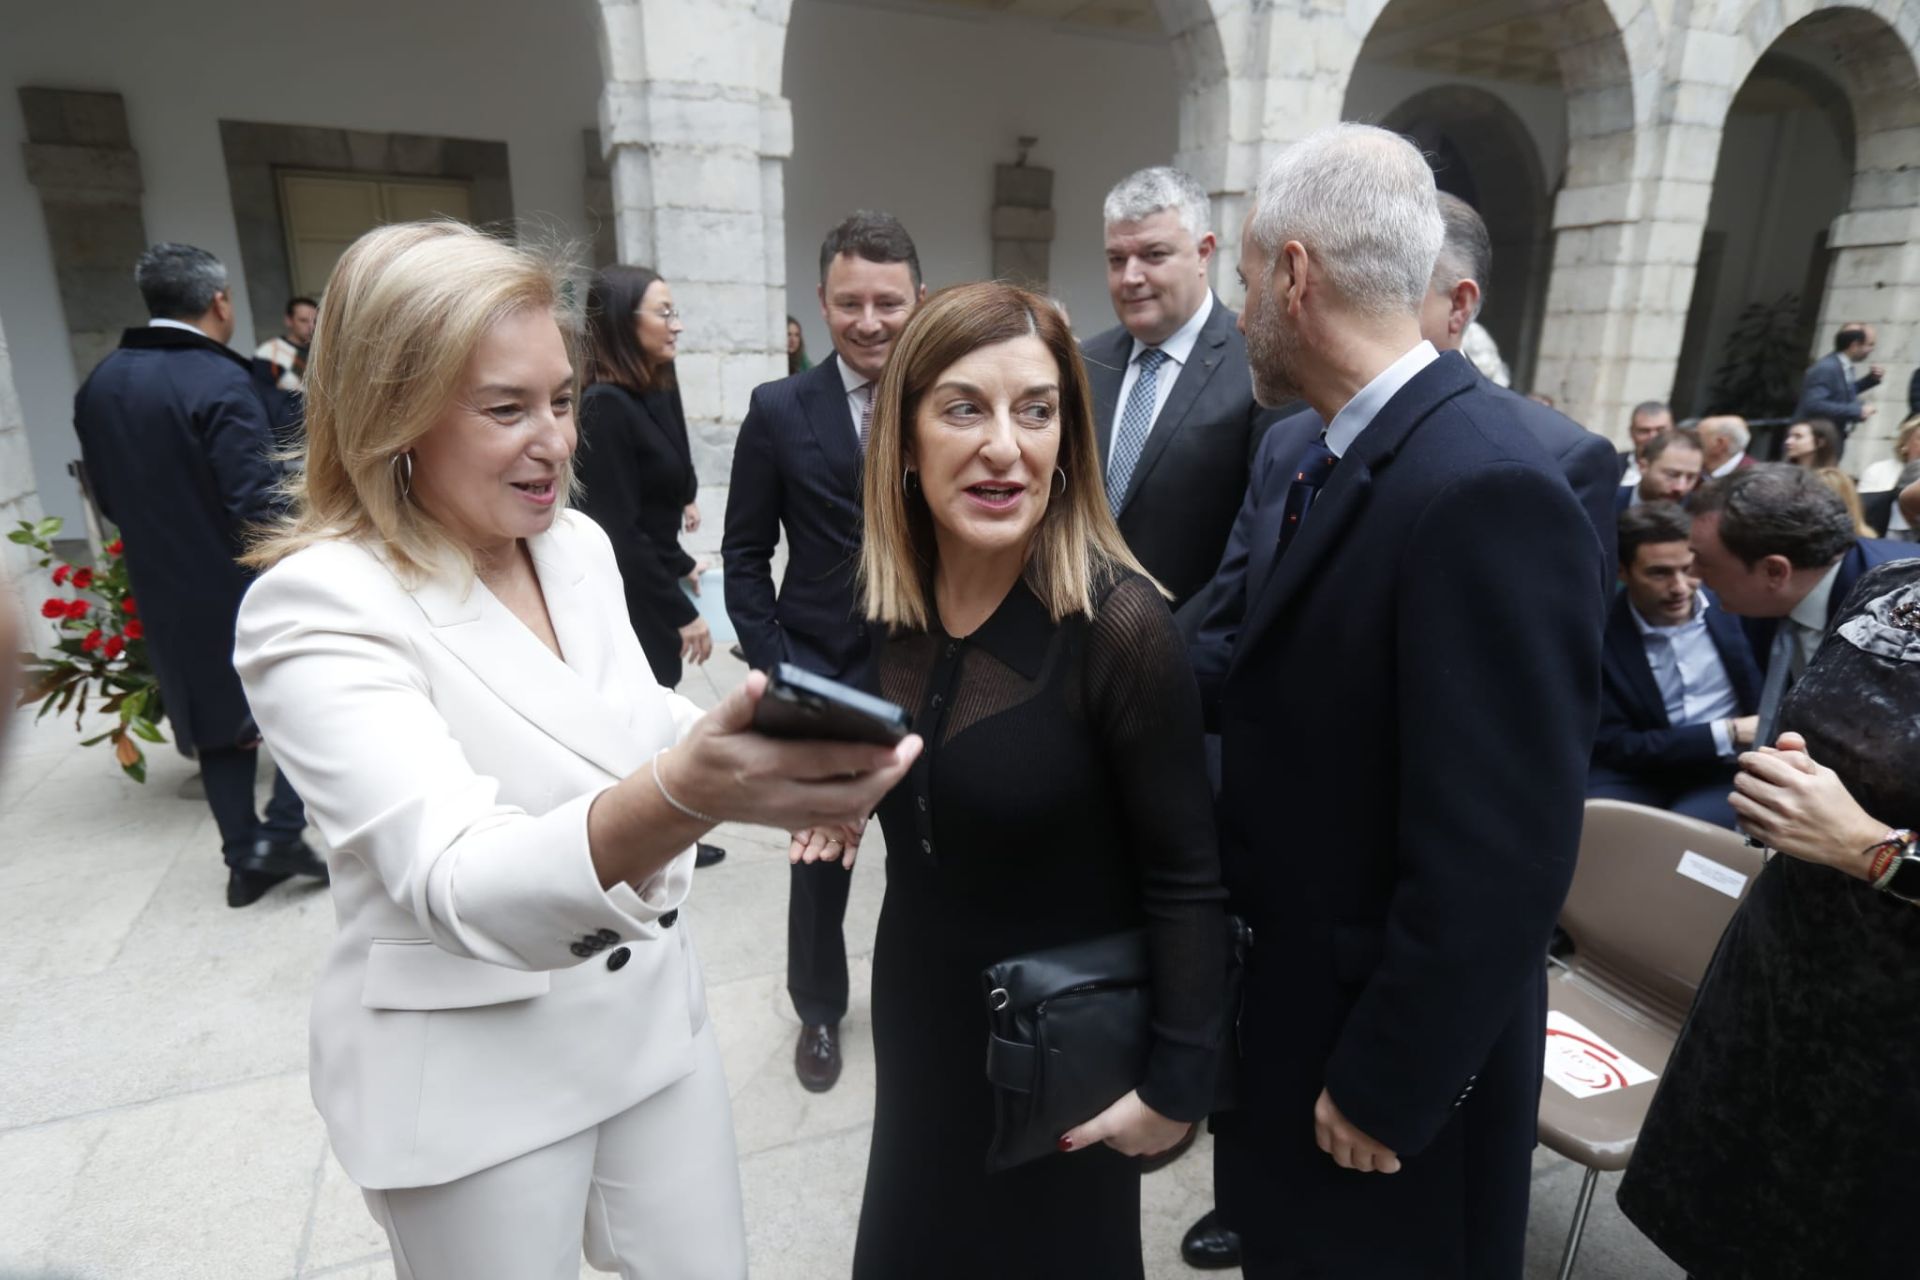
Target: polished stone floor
[{"x": 154, "y": 1118}]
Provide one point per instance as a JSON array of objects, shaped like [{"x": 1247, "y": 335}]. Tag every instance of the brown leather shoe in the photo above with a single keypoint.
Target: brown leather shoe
[
  {"x": 1149, "y": 1164},
  {"x": 816, "y": 1057}
]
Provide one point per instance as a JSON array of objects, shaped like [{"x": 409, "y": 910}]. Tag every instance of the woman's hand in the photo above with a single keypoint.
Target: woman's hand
[
  {"x": 1130, "y": 1127},
  {"x": 1788, "y": 801},
  {"x": 725, "y": 769},
  {"x": 826, "y": 844},
  {"x": 691, "y": 514},
  {"x": 696, "y": 641}
]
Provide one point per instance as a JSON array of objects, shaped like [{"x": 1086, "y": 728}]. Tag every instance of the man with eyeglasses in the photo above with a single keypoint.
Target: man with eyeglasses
[
  {"x": 797, "y": 466},
  {"x": 177, "y": 448}
]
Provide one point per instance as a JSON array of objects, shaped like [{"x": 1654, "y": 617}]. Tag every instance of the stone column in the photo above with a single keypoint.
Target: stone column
[
  {"x": 1023, "y": 223},
  {"x": 79, "y": 155},
  {"x": 696, "y": 137},
  {"x": 18, "y": 501}
]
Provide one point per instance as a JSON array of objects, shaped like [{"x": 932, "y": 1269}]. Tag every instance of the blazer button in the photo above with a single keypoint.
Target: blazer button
[
  {"x": 607, "y": 936},
  {"x": 581, "y": 949},
  {"x": 670, "y": 918},
  {"x": 619, "y": 958}
]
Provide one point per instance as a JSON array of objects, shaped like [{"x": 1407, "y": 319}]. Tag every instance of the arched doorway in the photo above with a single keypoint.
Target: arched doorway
[{"x": 1833, "y": 93}]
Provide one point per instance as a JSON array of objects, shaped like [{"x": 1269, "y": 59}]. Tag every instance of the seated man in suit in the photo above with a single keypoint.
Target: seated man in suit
[
  {"x": 1172, "y": 400},
  {"x": 1724, "y": 439},
  {"x": 1837, "y": 381},
  {"x": 1670, "y": 467},
  {"x": 1778, "y": 548},
  {"x": 1678, "y": 685},
  {"x": 1650, "y": 418}
]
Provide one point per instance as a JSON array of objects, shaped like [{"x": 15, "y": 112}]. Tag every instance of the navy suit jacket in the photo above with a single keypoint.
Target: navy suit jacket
[
  {"x": 1635, "y": 735},
  {"x": 1186, "y": 487},
  {"x": 1588, "y": 461},
  {"x": 797, "y": 466},
  {"x": 177, "y": 445},
  {"x": 1825, "y": 393},
  {"x": 1864, "y": 554},
  {"x": 1405, "y": 732}
]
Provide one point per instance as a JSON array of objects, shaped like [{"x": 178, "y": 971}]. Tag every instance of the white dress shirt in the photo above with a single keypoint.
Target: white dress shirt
[
  {"x": 1728, "y": 467},
  {"x": 859, "y": 391},
  {"x": 1360, "y": 411},
  {"x": 1177, "y": 350},
  {"x": 1692, "y": 678},
  {"x": 177, "y": 324}
]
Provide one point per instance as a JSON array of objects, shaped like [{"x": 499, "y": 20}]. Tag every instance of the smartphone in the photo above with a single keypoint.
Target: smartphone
[{"x": 800, "y": 704}]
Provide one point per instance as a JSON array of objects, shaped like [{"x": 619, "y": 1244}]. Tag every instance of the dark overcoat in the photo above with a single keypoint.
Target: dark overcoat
[{"x": 178, "y": 449}]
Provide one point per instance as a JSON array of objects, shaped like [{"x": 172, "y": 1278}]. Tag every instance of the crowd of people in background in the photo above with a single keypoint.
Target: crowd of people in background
[{"x": 1297, "y": 622}]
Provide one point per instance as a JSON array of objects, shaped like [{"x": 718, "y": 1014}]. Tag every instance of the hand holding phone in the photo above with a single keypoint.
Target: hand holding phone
[{"x": 801, "y": 705}]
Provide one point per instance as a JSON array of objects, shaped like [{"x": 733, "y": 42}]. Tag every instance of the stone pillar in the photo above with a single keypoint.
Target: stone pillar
[
  {"x": 18, "y": 501},
  {"x": 696, "y": 135},
  {"x": 1023, "y": 223},
  {"x": 597, "y": 193},
  {"x": 80, "y": 157}
]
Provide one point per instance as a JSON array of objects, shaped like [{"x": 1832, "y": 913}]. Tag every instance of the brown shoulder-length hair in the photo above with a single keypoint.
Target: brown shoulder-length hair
[
  {"x": 1076, "y": 543},
  {"x": 614, "y": 353}
]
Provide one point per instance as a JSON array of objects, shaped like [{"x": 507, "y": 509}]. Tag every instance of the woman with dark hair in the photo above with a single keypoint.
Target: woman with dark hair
[
  {"x": 1814, "y": 443},
  {"x": 635, "y": 467},
  {"x": 1063, "y": 796},
  {"x": 797, "y": 361}
]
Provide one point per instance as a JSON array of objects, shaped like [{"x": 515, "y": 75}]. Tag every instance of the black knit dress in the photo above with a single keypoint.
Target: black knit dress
[
  {"x": 1784, "y": 1141},
  {"x": 1062, "y": 796}
]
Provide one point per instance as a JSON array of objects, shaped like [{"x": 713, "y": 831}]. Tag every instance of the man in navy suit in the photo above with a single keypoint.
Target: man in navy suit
[
  {"x": 1173, "y": 408},
  {"x": 1778, "y": 548},
  {"x": 797, "y": 466},
  {"x": 1835, "y": 384},
  {"x": 1678, "y": 687},
  {"x": 1404, "y": 739}
]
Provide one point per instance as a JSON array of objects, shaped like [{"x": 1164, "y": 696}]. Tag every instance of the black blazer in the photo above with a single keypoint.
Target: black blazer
[
  {"x": 1186, "y": 488},
  {"x": 1590, "y": 465},
  {"x": 797, "y": 467},
  {"x": 177, "y": 446},
  {"x": 1635, "y": 735},
  {"x": 1405, "y": 732},
  {"x": 636, "y": 474},
  {"x": 1864, "y": 554}
]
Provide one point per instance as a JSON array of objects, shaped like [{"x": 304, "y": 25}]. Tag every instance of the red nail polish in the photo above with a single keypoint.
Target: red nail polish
[{"x": 1066, "y": 1144}]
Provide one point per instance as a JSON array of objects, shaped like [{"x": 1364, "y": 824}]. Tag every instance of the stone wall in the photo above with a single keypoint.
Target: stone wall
[{"x": 18, "y": 501}]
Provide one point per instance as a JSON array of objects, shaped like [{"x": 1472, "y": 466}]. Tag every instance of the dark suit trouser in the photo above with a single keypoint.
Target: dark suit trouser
[
  {"x": 1698, "y": 794},
  {"x": 228, "y": 775},
  {"x": 817, "y": 940}
]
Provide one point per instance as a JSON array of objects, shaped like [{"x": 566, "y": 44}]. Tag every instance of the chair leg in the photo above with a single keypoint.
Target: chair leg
[{"x": 1580, "y": 1208}]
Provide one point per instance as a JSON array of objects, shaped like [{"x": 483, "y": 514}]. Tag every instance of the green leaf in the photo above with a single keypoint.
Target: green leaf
[
  {"x": 22, "y": 536},
  {"x": 100, "y": 737},
  {"x": 146, "y": 729},
  {"x": 135, "y": 704},
  {"x": 49, "y": 528}
]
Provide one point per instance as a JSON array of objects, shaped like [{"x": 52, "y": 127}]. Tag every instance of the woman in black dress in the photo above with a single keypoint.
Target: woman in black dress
[
  {"x": 1785, "y": 1138},
  {"x": 1062, "y": 795},
  {"x": 635, "y": 465}
]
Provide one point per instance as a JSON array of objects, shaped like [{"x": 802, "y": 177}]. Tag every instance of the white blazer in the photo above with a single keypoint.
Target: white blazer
[{"x": 470, "y": 1009}]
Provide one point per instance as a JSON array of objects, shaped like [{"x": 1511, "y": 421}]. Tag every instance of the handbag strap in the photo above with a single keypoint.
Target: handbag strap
[{"x": 1010, "y": 1065}]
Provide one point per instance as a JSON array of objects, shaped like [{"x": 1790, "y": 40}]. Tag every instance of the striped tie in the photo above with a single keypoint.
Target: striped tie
[
  {"x": 866, "y": 416},
  {"x": 1135, "y": 422}
]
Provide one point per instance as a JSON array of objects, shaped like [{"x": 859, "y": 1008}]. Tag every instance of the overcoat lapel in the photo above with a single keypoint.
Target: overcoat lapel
[
  {"x": 1172, "y": 420},
  {"x": 574, "y": 702},
  {"x": 824, "y": 402}
]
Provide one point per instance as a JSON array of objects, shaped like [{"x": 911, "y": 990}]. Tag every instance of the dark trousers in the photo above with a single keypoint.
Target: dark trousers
[
  {"x": 1698, "y": 794},
  {"x": 817, "y": 940},
  {"x": 228, "y": 775}
]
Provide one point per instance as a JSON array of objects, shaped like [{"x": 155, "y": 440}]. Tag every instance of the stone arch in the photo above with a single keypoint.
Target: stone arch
[{"x": 1483, "y": 153}]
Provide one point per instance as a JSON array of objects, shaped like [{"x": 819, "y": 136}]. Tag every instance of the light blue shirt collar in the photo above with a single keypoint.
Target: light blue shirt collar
[{"x": 1360, "y": 411}]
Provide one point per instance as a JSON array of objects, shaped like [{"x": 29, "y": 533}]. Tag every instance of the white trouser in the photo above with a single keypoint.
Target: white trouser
[{"x": 652, "y": 1194}]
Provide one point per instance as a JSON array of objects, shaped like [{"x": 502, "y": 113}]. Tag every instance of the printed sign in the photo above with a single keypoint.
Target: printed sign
[
  {"x": 1583, "y": 1064},
  {"x": 1712, "y": 874}
]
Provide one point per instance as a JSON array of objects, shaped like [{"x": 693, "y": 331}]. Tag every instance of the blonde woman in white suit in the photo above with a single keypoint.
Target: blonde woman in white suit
[{"x": 510, "y": 1044}]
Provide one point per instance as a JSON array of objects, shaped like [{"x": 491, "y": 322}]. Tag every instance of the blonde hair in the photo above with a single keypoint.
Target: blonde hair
[
  {"x": 1842, "y": 483},
  {"x": 1904, "y": 435},
  {"x": 403, "y": 311},
  {"x": 1076, "y": 544}
]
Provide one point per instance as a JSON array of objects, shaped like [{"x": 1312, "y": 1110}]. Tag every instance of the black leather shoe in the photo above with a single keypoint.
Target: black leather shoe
[
  {"x": 1153, "y": 1164},
  {"x": 244, "y": 888},
  {"x": 705, "y": 855},
  {"x": 816, "y": 1058},
  {"x": 282, "y": 858},
  {"x": 1210, "y": 1244}
]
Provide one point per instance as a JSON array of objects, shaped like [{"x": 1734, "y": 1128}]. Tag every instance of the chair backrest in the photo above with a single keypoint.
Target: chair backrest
[{"x": 1651, "y": 896}]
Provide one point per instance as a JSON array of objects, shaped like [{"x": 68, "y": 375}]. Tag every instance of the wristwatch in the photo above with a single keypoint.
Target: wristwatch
[{"x": 1894, "y": 865}]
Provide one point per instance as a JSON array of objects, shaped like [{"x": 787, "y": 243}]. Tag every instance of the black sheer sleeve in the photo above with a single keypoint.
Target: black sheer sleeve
[
  {"x": 608, "y": 467},
  {"x": 1140, "y": 690}
]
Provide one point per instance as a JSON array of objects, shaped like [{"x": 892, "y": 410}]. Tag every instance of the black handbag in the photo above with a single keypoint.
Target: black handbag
[{"x": 1068, "y": 1034}]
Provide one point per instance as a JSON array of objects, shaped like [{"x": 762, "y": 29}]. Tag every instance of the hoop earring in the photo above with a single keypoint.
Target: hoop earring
[
  {"x": 906, "y": 480},
  {"x": 1062, "y": 473},
  {"x": 401, "y": 468}
]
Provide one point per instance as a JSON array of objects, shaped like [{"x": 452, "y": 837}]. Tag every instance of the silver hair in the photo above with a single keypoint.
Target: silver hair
[
  {"x": 1733, "y": 428},
  {"x": 178, "y": 281},
  {"x": 1361, "y": 201},
  {"x": 1146, "y": 192},
  {"x": 1466, "y": 252}
]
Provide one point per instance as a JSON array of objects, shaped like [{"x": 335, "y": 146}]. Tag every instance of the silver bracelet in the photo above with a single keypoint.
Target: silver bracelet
[{"x": 653, "y": 765}]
